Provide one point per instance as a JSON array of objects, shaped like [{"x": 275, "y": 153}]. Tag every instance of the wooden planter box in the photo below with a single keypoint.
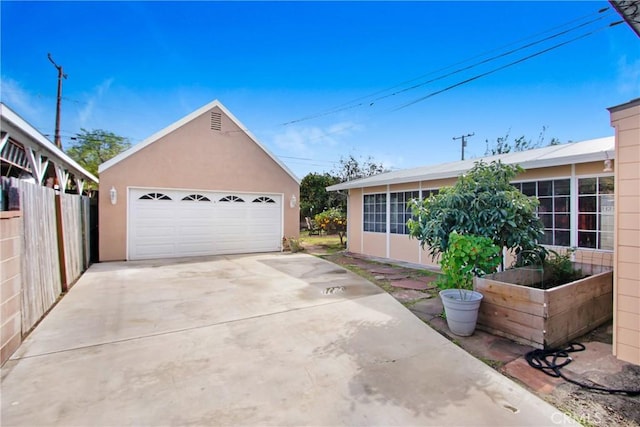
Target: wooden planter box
[{"x": 544, "y": 318}]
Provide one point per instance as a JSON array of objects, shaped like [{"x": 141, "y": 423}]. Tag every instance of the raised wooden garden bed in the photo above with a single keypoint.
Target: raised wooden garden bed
[{"x": 544, "y": 318}]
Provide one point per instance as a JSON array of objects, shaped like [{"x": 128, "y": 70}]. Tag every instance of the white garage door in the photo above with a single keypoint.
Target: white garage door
[{"x": 166, "y": 223}]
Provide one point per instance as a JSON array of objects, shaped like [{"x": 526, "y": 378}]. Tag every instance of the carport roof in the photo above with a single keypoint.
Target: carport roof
[
  {"x": 17, "y": 128},
  {"x": 629, "y": 10},
  {"x": 554, "y": 155},
  {"x": 156, "y": 136}
]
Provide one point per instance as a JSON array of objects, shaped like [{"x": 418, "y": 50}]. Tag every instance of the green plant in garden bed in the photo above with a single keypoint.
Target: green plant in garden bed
[{"x": 557, "y": 268}]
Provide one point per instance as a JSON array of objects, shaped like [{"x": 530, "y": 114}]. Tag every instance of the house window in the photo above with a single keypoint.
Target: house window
[
  {"x": 375, "y": 213},
  {"x": 554, "y": 210},
  {"x": 428, "y": 193},
  {"x": 400, "y": 211},
  {"x": 595, "y": 212}
]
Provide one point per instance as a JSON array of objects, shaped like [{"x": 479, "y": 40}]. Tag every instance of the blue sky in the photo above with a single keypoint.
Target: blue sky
[{"x": 136, "y": 67}]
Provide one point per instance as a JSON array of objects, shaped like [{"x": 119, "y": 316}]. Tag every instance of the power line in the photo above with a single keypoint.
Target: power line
[
  {"x": 493, "y": 58},
  {"x": 350, "y": 105},
  {"x": 308, "y": 159},
  {"x": 476, "y": 77}
]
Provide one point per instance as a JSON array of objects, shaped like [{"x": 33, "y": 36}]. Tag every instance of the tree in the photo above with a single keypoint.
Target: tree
[
  {"x": 91, "y": 148},
  {"x": 333, "y": 221},
  {"x": 483, "y": 203},
  {"x": 350, "y": 168},
  {"x": 314, "y": 197},
  {"x": 503, "y": 146}
]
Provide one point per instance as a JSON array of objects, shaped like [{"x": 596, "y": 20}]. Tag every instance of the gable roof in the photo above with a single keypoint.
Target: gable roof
[
  {"x": 553, "y": 155},
  {"x": 183, "y": 121}
]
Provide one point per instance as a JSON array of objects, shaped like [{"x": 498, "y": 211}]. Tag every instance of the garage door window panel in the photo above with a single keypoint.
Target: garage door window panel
[
  {"x": 155, "y": 196},
  {"x": 196, "y": 198},
  {"x": 232, "y": 199},
  {"x": 263, "y": 200}
]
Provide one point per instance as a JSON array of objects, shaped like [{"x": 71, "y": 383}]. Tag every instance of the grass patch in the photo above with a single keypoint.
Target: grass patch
[{"x": 329, "y": 242}]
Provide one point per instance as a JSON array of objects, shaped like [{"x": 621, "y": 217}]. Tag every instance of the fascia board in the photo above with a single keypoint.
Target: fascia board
[{"x": 453, "y": 173}]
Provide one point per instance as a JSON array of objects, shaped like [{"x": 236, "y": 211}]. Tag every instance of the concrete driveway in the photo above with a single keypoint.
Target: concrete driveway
[{"x": 268, "y": 339}]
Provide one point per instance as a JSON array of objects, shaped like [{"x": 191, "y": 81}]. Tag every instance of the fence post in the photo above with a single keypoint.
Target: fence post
[{"x": 60, "y": 232}]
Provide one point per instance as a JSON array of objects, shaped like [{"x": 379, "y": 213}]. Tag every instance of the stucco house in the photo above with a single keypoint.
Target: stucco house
[
  {"x": 204, "y": 185},
  {"x": 574, "y": 183},
  {"x": 589, "y": 195}
]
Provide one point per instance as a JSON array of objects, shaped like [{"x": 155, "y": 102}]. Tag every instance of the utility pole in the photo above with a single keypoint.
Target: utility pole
[
  {"x": 61, "y": 74},
  {"x": 464, "y": 141}
]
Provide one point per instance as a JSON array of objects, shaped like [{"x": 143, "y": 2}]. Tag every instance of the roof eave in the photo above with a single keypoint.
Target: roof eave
[{"x": 527, "y": 165}]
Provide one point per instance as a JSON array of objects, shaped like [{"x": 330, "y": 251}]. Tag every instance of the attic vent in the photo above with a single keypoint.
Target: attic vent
[{"x": 216, "y": 121}]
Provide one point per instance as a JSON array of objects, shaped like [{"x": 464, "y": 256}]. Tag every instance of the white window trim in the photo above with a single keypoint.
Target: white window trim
[
  {"x": 575, "y": 230},
  {"x": 573, "y": 204}
]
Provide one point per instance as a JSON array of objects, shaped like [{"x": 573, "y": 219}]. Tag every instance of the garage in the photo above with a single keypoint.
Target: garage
[
  {"x": 203, "y": 185},
  {"x": 166, "y": 223}
]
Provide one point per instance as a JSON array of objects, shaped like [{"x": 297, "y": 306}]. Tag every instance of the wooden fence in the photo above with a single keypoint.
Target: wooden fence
[{"x": 55, "y": 246}]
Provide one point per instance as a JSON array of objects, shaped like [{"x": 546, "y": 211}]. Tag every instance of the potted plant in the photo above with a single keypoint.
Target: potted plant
[{"x": 466, "y": 256}]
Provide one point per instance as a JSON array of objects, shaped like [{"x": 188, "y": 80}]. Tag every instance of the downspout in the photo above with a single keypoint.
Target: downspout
[
  {"x": 348, "y": 230},
  {"x": 573, "y": 208},
  {"x": 388, "y": 224},
  {"x": 417, "y": 241}
]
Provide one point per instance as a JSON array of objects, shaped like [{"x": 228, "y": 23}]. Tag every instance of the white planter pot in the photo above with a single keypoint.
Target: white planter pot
[{"x": 461, "y": 308}]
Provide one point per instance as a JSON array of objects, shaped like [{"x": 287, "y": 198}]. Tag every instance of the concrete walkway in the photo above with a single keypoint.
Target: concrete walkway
[{"x": 269, "y": 339}]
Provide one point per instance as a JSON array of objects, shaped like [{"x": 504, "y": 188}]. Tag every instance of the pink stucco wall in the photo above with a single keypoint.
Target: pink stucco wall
[
  {"x": 193, "y": 157},
  {"x": 626, "y": 279}
]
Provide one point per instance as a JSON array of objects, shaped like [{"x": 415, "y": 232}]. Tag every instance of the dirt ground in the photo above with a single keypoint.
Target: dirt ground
[{"x": 596, "y": 366}]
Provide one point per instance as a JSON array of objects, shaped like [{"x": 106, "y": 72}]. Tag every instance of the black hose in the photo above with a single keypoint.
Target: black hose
[{"x": 551, "y": 361}]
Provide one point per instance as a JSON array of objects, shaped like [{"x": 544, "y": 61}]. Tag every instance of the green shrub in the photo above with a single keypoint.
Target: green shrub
[
  {"x": 483, "y": 203},
  {"x": 467, "y": 256}
]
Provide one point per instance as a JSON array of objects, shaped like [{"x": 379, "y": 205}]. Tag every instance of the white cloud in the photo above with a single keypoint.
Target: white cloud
[
  {"x": 313, "y": 148},
  {"x": 304, "y": 141},
  {"x": 87, "y": 111},
  {"x": 27, "y": 105},
  {"x": 345, "y": 128},
  {"x": 628, "y": 76}
]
